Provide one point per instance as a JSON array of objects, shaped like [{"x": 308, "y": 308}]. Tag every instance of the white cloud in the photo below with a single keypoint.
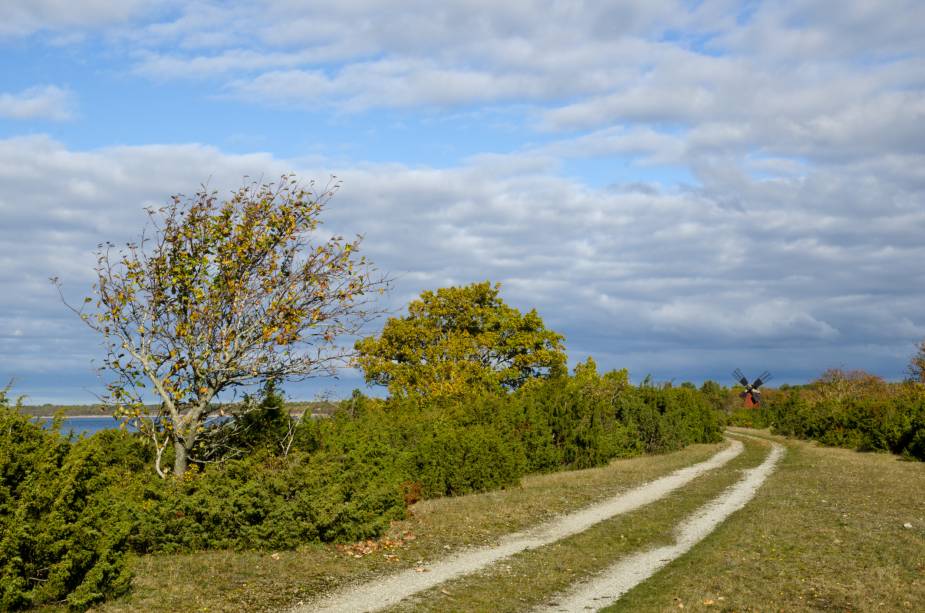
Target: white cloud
[
  {"x": 393, "y": 83},
  {"x": 43, "y": 102},
  {"x": 23, "y": 17},
  {"x": 457, "y": 53}
]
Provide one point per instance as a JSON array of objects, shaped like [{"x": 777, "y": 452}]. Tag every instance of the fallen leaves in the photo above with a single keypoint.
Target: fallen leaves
[{"x": 364, "y": 548}]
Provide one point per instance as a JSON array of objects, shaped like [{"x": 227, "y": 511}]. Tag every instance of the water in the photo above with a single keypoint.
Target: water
[
  {"x": 92, "y": 425},
  {"x": 85, "y": 425}
]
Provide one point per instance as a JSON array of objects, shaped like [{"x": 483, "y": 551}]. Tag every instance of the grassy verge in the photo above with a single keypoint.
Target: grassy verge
[
  {"x": 257, "y": 581},
  {"x": 533, "y": 577},
  {"x": 825, "y": 533}
]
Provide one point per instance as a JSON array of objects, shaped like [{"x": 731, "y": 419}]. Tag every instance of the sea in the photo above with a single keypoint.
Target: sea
[
  {"x": 87, "y": 425},
  {"x": 84, "y": 425}
]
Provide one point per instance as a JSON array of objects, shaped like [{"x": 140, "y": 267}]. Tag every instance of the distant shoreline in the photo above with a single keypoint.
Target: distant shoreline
[
  {"x": 74, "y": 416},
  {"x": 88, "y": 410},
  {"x": 108, "y": 416}
]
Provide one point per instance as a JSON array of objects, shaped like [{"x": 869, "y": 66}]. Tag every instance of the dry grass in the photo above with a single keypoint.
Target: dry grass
[
  {"x": 255, "y": 581},
  {"x": 825, "y": 533},
  {"x": 533, "y": 577}
]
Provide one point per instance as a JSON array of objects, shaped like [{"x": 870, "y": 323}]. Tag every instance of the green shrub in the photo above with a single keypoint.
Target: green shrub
[
  {"x": 65, "y": 521},
  {"x": 268, "y": 503},
  {"x": 449, "y": 460},
  {"x": 856, "y": 411}
]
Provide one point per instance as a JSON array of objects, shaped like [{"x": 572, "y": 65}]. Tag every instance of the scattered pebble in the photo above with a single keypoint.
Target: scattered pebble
[{"x": 907, "y": 525}]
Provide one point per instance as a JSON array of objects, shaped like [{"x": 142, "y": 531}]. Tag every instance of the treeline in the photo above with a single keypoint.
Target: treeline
[
  {"x": 851, "y": 409},
  {"x": 72, "y": 511}
]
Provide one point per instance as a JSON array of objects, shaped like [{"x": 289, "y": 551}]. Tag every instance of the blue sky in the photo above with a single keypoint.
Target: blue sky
[{"x": 680, "y": 188}]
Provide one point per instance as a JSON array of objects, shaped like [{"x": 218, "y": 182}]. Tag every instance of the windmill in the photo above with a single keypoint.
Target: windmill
[{"x": 751, "y": 395}]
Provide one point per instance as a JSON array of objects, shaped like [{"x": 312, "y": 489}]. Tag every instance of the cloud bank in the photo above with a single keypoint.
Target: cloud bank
[{"x": 645, "y": 278}]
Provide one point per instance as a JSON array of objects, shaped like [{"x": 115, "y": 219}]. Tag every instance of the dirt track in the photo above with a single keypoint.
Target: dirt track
[
  {"x": 385, "y": 592},
  {"x": 606, "y": 588}
]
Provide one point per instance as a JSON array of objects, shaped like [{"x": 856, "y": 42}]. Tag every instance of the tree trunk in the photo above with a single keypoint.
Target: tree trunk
[
  {"x": 157, "y": 459},
  {"x": 179, "y": 458}
]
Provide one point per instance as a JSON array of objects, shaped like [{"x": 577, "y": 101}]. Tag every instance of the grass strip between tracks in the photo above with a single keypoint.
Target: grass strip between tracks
[{"x": 531, "y": 578}]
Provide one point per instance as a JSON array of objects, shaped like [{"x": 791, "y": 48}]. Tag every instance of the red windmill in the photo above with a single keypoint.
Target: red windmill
[{"x": 751, "y": 395}]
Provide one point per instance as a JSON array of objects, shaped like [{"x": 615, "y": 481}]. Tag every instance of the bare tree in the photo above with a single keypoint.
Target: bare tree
[{"x": 220, "y": 294}]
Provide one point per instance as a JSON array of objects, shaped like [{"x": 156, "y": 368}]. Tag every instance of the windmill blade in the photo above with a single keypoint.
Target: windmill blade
[
  {"x": 756, "y": 396},
  {"x": 743, "y": 394},
  {"x": 762, "y": 379},
  {"x": 737, "y": 373}
]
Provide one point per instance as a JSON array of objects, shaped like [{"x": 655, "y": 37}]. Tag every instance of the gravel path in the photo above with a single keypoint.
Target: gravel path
[
  {"x": 389, "y": 590},
  {"x": 606, "y": 588}
]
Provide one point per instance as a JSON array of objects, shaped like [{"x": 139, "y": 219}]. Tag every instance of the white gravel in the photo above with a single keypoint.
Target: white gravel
[
  {"x": 389, "y": 590},
  {"x": 604, "y": 589}
]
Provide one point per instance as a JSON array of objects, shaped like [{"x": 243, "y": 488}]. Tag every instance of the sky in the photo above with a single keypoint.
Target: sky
[{"x": 680, "y": 188}]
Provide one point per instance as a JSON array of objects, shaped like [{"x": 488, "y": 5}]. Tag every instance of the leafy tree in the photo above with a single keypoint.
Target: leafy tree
[
  {"x": 719, "y": 396},
  {"x": 460, "y": 340},
  {"x": 220, "y": 294},
  {"x": 840, "y": 385}
]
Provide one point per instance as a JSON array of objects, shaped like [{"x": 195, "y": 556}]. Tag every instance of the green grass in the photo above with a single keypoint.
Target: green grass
[
  {"x": 824, "y": 533},
  {"x": 255, "y": 581}
]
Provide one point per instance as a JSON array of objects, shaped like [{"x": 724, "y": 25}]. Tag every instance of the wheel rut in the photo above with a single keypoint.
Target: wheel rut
[
  {"x": 385, "y": 592},
  {"x": 605, "y": 588}
]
